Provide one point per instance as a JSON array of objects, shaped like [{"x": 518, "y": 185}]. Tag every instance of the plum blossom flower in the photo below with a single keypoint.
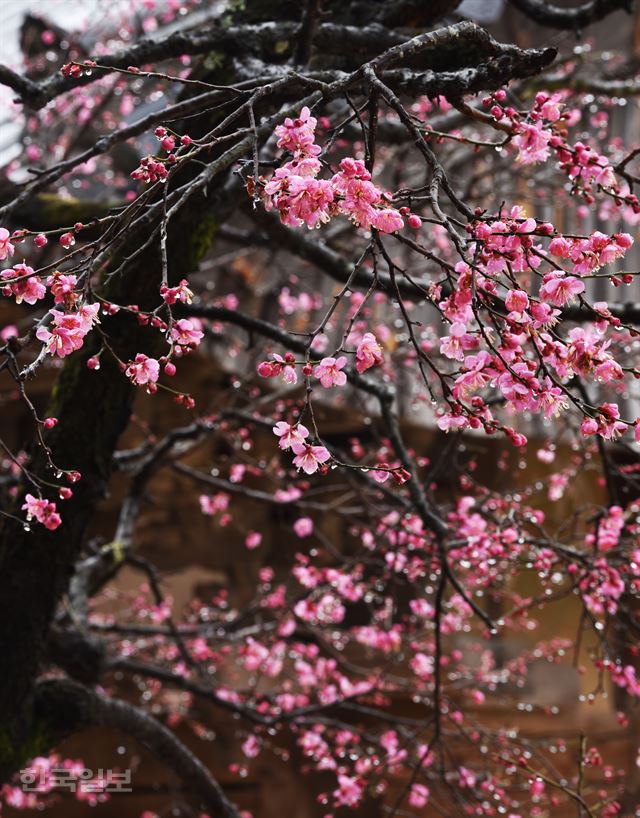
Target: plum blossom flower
[
  {"x": 329, "y": 372},
  {"x": 212, "y": 504},
  {"x": 29, "y": 288},
  {"x": 309, "y": 458},
  {"x": 298, "y": 135},
  {"x": 550, "y": 107},
  {"x": 449, "y": 421},
  {"x": 143, "y": 370},
  {"x": 62, "y": 286},
  {"x": 387, "y": 220},
  {"x": 368, "y": 352},
  {"x": 532, "y": 142},
  {"x": 279, "y": 366},
  {"x": 308, "y": 201},
  {"x": 422, "y": 665},
  {"x": 180, "y": 293},
  {"x": 10, "y": 331},
  {"x": 44, "y": 511},
  {"x": 290, "y": 435},
  {"x": 251, "y": 747},
  {"x": 303, "y": 527},
  {"x": 349, "y": 792},
  {"x": 516, "y": 301},
  {"x": 68, "y": 330},
  {"x": 419, "y": 795},
  {"x": 6, "y": 248},
  {"x": 457, "y": 342},
  {"x": 187, "y": 332},
  {"x": 559, "y": 289},
  {"x": 253, "y": 539}
]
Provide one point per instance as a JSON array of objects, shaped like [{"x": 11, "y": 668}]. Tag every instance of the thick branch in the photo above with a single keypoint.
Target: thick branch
[
  {"x": 450, "y": 49},
  {"x": 575, "y": 18},
  {"x": 67, "y": 707}
]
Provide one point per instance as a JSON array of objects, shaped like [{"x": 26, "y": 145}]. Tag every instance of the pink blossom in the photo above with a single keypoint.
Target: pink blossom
[
  {"x": 279, "y": 366},
  {"x": 368, "y": 352},
  {"x": 419, "y": 795},
  {"x": 6, "y": 248},
  {"x": 329, "y": 372},
  {"x": 180, "y": 293},
  {"x": 253, "y": 539},
  {"x": 349, "y": 792},
  {"x": 44, "y": 511},
  {"x": 62, "y": 287},
  {"x": 143, "y": 370},
  {"x": 457, "y": 342},
  {"x": 516, "y": 301},
  {"x": 449, "y": 421},
  {"x": 10, "y": 331},
  {"x": 551, "y": 107},
  {"x": 29, "y": 288},
  {"x": 289, "y": 374},
  {"x": 212, "y": 504},
  {"x": 290, "y": 435},
  {"x": 309, "y": 458},
  {"x": 532, "y": 142},
  {"x": 308, "y": 201},
  {"x": 422, "y": 665},
  {"x": 251, "y": 747},
  {"x": 68, "y": 330},
  {"x": 467, "y": 778},
  {"x": 303, "y": 527},
  {"x": 67, "y": 240},
  {"x": 187, "y": 332},
  {"x": 387, "y": 220},
  {"x": 297, "y": 135},
  {"x": 559, "y": 289}
]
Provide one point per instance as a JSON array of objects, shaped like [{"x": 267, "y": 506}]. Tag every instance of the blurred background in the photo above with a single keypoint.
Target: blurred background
[{"x": 197, "y": 558}]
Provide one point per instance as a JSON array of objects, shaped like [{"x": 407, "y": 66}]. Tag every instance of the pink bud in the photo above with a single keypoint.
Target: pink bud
[
  {"x": 589, "y": 426},
  {"x": 67, "y": 240},
  {"x": 265, "y": 369},
  {"x": 253, "y": 539},
  {"x": 303, "y": 526},
  {"x": 415, "y": 222},
  {"x": 93, "y": 363},
  {"x": 49, "y": 423},
  {"x": 40, "y": 240},
  {"x": 170, "y": 369}
]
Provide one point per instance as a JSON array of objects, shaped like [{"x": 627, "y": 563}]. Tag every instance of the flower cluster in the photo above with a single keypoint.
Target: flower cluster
[
  {"x": 23, "y": 283},
  {"x": 543, "y": 131},
  {"x": 330, "y": 370},
  {"x": 44, "y": 511},
  {"x": 143, "y": 371},
  {"x": 300, "y": 197},
  {"x": 68, "y": 329},
  {"x": 151, "y": 170},
  {"x": 307, "y": 457}
]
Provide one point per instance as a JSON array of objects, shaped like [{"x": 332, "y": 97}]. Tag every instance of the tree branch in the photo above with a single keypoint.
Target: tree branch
[
  {"x": 576, "y": 18},
  {"x": 66, "y": 707}
]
